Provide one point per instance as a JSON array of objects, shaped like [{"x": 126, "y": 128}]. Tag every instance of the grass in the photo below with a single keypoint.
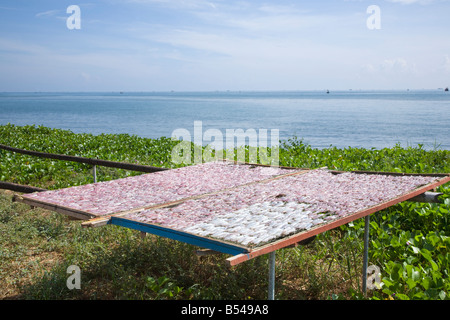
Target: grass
[
  {"x": 117, "y": 263},
  {"x": 409, "y": 241}
]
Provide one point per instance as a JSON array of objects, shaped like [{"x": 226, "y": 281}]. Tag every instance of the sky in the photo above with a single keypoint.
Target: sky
[{"x": 209, "y": 45}]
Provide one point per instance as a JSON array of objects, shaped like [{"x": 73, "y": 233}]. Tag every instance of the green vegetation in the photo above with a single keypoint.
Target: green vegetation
[{"x": 409, "y": 242}]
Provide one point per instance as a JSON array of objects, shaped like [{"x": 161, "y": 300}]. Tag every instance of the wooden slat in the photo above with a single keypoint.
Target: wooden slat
[{"x": 77, "y": 214}]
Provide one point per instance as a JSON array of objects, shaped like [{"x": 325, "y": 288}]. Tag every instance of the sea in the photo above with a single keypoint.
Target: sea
[{"x": 351, "y": 118}]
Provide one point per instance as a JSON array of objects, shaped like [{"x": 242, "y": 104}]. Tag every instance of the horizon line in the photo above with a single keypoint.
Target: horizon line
[{"x": 222, "y": 90}]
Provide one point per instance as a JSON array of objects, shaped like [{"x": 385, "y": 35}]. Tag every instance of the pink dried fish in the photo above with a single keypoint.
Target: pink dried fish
[{"x": 154, "y": 188}]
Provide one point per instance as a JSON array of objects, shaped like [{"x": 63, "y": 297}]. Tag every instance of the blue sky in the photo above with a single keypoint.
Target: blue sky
[{"x": 204, "y": 45}]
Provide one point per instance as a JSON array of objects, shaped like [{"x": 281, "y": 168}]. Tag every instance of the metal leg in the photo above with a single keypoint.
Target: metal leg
[
  {"x": 95, "y": 173},
  {"x": 272, "y": 275},
  {"x": 366, "y": 253}
]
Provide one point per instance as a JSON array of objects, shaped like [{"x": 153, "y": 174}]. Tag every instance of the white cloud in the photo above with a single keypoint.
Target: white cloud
[
  {"x": 217, "y": 43},
  {"x": 86, "y": 76},
  {"x": 20, "y": 47},
  {"x": 391, "y": 67},
  {"x": 278, "y": 9},
  {"x": 406, "y": 2},
  {"x": 397, "y": 65},
  {"x": 48, "y": 13},
  {"x": 180, "y": 4},
  {"x": 447, "y": 63}
]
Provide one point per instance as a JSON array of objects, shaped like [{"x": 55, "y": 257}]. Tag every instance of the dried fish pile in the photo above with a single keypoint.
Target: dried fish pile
[
  {"x": 235, "y": 209},
  {"x": 154, "y": 188},
  {"x": 259, "y": 223},
  {"x": 345, "y": 192},
  {"x": 256, "y": 214}
]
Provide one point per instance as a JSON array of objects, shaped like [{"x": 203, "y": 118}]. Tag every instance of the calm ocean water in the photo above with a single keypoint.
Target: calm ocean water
[{"x": 369, "y": 119}]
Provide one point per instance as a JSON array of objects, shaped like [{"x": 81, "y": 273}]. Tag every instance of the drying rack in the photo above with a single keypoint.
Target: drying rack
[{"x": 125, "y": 202}]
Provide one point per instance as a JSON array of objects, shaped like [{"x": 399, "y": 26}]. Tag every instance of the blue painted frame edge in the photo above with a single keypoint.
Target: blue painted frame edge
[{"x": 178, "y": 235}]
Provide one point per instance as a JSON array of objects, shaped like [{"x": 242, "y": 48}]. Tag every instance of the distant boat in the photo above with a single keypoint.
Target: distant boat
[
  {"x": 446, "y": 89},
  {"x": 328, "y": 91}
]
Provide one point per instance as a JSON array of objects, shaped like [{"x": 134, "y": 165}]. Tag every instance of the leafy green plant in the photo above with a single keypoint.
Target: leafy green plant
[
  {"x": 409, "y": 242},
  {"x": 163, "y": 287}
]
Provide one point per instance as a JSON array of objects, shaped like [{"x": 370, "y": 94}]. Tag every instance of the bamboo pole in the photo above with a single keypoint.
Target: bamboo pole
[
  {"x": 104, "y": 163},
  {"x": 19, "y": 188},
  {"x": 428, "y": 197}
]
